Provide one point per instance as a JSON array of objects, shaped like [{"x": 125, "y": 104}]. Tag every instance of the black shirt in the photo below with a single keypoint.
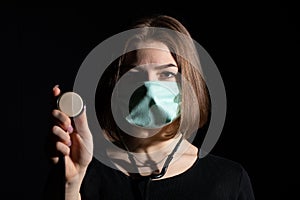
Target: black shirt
[{"x": 210, "y": 178}]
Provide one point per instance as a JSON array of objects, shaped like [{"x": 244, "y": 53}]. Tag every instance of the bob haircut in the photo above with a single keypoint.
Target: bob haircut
[{"x": 195, "y": 105}]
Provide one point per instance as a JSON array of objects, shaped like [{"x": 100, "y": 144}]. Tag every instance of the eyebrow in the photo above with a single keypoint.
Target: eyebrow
[
  {"x": 159, "y": 67},
  {"x": 165, "y": 66}
]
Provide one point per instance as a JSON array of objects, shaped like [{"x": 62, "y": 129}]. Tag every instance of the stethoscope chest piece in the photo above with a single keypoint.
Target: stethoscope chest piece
[{"x": 70, "y": 103}]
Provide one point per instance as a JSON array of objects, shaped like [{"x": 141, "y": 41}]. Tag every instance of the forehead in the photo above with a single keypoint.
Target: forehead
[{"x": 149, "y": 53}]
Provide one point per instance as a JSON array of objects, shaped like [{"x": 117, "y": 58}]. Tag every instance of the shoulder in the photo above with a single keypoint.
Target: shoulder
[
  {"x": 97, "y": 172},
  {"x": 96, "y": 167},
  {"x": 221, "y": 167},
  {"x": 221, "y": 164},
  {"x": 226, "y": 173}
]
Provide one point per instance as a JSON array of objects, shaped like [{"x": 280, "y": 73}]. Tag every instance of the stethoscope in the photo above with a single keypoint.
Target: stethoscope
[
  {"x": 72, "y": 104},
  {"x": 164, "y": 169},
  {"x": 154, "y": 175}
]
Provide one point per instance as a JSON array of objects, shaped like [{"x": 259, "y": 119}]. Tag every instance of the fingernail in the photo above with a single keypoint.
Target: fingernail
[
  {"x": 69, "y": 143},
  {"x": 70, "y": 129},
  {"x": 56, "y": 86}
]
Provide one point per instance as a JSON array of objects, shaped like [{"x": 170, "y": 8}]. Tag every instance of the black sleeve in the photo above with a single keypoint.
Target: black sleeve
[
  {"x": 245, "y": 187},
  {"x": 55, "y": 185}
]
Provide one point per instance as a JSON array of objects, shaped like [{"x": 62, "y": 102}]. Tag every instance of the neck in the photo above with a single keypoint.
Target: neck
[
  {"x": 156, "y": 139},
  {"x": 150, "y": 145},
  {"x": 154, "y": 160}
]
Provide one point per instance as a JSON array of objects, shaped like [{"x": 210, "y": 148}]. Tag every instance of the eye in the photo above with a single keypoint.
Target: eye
[{"x": 167, "y": 75}]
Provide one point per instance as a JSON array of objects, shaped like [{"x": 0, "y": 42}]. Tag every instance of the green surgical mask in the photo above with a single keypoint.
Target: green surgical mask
[{"x": 154, "y": 104}]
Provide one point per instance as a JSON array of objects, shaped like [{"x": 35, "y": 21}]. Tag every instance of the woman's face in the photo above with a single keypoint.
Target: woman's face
[
  {"x": 152, "y": 104},
  {"x": 151, "y": 62}
]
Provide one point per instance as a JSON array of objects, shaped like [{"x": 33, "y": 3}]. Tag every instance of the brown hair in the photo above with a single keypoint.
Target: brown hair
[{"x": 195, "y": 99}]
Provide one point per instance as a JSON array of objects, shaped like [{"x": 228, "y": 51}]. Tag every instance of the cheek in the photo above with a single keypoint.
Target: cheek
[{"x": 173, "y": 79}]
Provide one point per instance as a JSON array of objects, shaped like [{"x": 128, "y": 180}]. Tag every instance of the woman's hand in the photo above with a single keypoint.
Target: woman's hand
[{"x": 73, "y": 139}]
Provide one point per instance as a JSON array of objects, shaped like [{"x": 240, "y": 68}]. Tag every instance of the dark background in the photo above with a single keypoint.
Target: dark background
[{"x": 253, "y": 44}]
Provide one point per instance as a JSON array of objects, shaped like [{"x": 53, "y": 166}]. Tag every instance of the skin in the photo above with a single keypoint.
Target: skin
[{"x": 76, "y": 142}]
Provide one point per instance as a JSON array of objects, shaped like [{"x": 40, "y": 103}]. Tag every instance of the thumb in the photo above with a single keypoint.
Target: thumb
[{"x": 81, "y": 123}]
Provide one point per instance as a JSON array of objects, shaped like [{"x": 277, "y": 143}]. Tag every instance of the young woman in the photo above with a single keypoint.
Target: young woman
[{"x": 150, "y": 102}]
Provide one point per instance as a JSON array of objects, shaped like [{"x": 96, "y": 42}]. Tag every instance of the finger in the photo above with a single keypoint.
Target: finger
[
  {"x": 56, "y": 90},
  {"x": 63, "y": 148},
  {"x": 64, "y": 120},
  {"x": 62, "y": 135}
]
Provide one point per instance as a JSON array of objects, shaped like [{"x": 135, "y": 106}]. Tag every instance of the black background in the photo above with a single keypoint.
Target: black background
[{"x": 253, "y": 44}]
